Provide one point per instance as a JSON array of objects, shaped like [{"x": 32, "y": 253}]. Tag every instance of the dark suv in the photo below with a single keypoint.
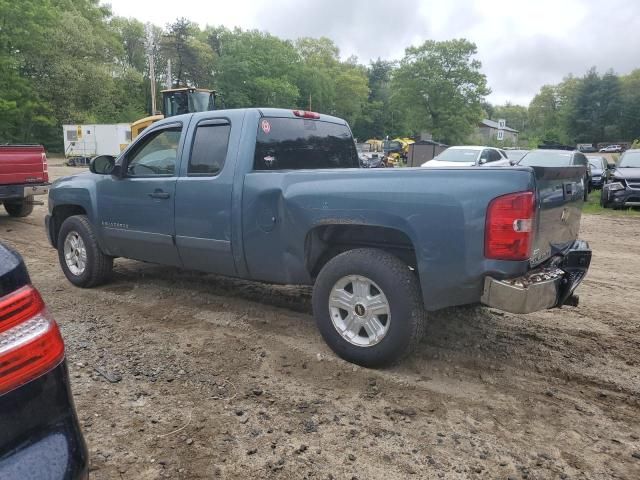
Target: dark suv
[
  {"x": 623, "y": 189},
  {"x": 39, "y": 433}
]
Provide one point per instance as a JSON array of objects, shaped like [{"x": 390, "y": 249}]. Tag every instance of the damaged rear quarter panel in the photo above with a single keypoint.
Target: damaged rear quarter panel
[{"x": 441, "y": 211}]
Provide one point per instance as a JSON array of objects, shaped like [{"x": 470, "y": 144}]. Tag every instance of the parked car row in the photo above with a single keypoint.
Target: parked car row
[
  {"x": 620, "y": 183},
  {"x": 479, "y": 156}
]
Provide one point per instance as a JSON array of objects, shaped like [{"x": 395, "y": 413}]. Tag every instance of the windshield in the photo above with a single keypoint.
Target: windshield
[
  {"x": 458, "y": 155},
  {"x": 516, "y": 155},
  {"x": 201, "y": 101},
  {"x": 180, "y": 102},
  {"x": 596, "y": 163},
  {"x": 546, "y": 158},
  {"x": 630, "y": 160}
]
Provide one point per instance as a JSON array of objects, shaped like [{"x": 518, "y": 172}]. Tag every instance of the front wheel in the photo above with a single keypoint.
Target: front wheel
[
  {"x": 368, "y": 307},
  {"x": 81, "y": 259},
  {"x": 19, "y": 208}
]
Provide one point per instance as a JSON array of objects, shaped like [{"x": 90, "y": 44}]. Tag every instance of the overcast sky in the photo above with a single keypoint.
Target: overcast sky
[{"x": 522, "y": 44}]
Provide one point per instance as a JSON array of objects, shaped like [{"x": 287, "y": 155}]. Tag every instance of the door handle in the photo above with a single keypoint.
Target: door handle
[{"x": 159, "y": 194}]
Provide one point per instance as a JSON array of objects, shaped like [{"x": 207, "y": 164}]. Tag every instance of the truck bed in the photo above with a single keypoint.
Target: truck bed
[{"x": 22, "y": 164}]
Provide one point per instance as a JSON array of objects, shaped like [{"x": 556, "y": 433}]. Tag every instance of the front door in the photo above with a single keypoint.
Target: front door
[{"x": 137, "y": 211}]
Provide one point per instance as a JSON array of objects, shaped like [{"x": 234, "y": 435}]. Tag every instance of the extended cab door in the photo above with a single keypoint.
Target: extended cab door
[
  {"x": 136, "y": 210},
  {"x": 204, "y": 193}
]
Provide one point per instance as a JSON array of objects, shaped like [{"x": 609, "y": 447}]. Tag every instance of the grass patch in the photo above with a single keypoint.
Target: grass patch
[{"x": 592, "y": 206}]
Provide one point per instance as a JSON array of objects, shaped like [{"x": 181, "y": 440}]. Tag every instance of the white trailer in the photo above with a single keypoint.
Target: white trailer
[{"x": 86, "y": 141}]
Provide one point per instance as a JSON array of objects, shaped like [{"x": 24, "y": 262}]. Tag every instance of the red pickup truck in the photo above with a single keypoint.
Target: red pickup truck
[{"x": 23, "y": 174}]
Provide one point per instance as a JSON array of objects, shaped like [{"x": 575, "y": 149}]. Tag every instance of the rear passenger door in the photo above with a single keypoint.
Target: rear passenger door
[{"x": 203, "y": 196}]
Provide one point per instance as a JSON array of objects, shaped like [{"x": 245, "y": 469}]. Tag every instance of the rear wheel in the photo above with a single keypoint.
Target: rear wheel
[
  {"x": 19, "y": 208},
  {"x": 368, "y": 307},
  {"x": 81, "y": 259}
]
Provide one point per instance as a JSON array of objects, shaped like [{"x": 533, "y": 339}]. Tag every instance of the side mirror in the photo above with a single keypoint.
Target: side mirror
[{"x": 103, "y": 164}]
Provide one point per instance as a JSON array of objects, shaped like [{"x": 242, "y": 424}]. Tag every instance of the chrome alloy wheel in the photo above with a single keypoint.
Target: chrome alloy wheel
[
  {"x": 359, "y": 310},
  {"x": 75, "y": 253}
]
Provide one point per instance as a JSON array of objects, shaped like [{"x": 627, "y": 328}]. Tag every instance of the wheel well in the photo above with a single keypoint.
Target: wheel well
[
  {"x": 326, "y": 241},
  {"x": 59, "y": 215}
]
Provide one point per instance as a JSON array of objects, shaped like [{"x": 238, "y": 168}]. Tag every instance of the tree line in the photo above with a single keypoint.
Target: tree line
[
  {"x": 595, "y": 108},
  {"x": 73, "y": 61}
]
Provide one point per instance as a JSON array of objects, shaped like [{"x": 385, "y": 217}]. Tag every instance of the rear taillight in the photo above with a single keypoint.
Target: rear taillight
[
  {"x": 306, "y": 114},
  {"x": 30, "y": 341},
  {"x": 45, "y": 168},
  {"x": 509, "y": 227}
]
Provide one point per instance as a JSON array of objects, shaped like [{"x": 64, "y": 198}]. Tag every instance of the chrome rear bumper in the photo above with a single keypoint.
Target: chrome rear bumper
[{"x": 542, "y": 288}]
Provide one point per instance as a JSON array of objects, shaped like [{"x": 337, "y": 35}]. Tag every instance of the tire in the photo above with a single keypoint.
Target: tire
[
  {"x": 603, "y": 201},
  {"x": 389, "y": 279},
  {"x": 19, "y": 208},
  {"x": 587, "y": 188},
  {"x": 97, "y": 266}
]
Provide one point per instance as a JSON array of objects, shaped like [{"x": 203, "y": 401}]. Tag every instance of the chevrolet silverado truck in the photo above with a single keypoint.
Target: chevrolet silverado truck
[
  {"x": 276, "y": 196},
  {"x": 23, "y": 174}
]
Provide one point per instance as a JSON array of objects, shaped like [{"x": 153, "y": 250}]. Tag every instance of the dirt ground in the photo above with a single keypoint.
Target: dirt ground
[{"x": 188, "y": 376}]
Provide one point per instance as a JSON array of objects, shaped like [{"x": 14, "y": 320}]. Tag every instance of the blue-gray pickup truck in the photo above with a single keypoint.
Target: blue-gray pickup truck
[{"x": 277, "y": 196}]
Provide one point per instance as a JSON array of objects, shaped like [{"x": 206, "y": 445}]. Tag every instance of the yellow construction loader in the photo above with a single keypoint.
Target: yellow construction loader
[
  {"x": 176, "y": 101},
  {"x": 397, "y": 150}
]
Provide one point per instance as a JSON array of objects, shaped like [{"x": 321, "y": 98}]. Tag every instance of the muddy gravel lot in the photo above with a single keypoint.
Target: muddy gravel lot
[{"x": 184, "y": 375}]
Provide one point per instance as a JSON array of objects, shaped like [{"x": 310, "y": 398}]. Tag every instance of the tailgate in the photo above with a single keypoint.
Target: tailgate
[
  {"x": 560, "y": 199},
  {"x": 22, "y": 164}
]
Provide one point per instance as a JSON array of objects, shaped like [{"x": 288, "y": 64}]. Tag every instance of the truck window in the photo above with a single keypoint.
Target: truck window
[
  {"x": 294, "y": 144},
  {"x": 209, "y": 149},
  {"x": 156, "y": 154}
]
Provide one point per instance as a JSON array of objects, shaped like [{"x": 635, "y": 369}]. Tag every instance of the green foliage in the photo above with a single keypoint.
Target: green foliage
[
  {"x": 439, "y": 87},
  {"x": 592, "y": 109},
  {"x": 72, "y": 61}
]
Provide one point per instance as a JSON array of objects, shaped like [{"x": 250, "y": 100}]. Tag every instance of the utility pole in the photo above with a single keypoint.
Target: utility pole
[
  {"x": 310, "y": 103},
  {"x": 151, "y": 47},
  {"x": 169, "y": 81},
  {"x": 152, "y": 81}
]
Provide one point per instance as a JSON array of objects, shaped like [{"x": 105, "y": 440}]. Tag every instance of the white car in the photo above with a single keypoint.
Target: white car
[
  {"x": 470, "y": 156},
  {"x": 611, "y": 149}
]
